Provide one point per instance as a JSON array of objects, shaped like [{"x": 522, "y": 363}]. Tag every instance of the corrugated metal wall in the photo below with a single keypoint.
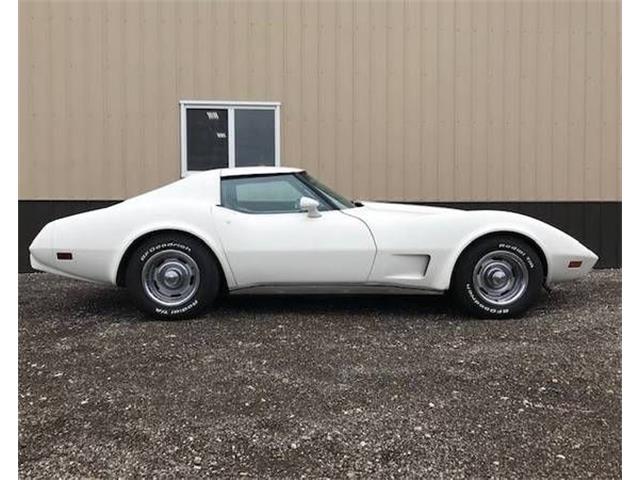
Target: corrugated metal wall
[{"x": 416, "y": 101}]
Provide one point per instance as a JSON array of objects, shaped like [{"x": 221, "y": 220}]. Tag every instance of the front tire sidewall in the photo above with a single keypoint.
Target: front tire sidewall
[
  {"x": 205, "y": 293},
  {"x": 473, "y": 303}
]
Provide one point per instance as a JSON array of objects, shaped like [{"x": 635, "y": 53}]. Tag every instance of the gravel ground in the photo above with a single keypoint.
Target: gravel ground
[{"x": 356, "y": 387}]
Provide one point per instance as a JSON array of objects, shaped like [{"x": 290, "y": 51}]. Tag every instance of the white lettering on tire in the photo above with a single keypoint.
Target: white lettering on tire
[
  {"x": 519, "y": 251},
  {"x": 176, "y": 311},
  {"x": 162, "y": 246},
  {"x": 492, "y": 310}
]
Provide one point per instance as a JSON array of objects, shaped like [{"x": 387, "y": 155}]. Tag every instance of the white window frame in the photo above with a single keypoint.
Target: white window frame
[{"x": 231, "y": 107}]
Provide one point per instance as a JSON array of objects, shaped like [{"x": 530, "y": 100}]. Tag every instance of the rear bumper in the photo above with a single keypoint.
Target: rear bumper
[
  {"x": 36, "y": 265},
  {"x": 86, "y": 264}
]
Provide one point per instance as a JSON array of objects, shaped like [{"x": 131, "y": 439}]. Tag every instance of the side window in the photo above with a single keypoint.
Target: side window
[{"x": 266, "y": 194}]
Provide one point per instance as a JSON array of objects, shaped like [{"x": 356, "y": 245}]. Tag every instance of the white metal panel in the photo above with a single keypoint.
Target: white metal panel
[{"x": 295, "y": 248}]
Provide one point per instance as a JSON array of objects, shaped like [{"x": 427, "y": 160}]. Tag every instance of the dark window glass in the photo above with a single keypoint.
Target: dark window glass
[
  {"x": 267, "y": 194},
  {"x": 207, "y": 139},
  {"x": 255, "y": 137}
]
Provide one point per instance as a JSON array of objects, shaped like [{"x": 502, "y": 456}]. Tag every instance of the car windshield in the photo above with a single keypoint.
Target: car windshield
[{"x": 337, "y": 199}]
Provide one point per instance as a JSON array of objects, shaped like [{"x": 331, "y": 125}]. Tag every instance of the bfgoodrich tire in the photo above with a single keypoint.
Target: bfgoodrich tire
[
  {"x": 498, "y": 277},
  {"x": 172, "y": 276}
]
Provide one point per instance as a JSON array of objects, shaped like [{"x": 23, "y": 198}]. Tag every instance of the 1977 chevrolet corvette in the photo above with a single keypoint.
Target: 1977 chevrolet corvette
[{"x": 278, "y": 230}]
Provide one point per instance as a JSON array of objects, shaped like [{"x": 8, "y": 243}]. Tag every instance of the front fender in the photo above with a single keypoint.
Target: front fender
[
  {"x": 557, "y": 247},
  {"x": 443, "y": 275}
]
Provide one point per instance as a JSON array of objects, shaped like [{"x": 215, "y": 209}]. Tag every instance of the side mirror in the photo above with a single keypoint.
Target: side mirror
[{"x": 310, "y": 206}]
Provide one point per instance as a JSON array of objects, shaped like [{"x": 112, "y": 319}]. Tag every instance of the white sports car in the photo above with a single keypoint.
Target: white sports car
[{"x": 278, "y": 230}]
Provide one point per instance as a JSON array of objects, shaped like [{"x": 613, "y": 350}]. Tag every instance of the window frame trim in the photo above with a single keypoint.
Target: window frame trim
[{"x": 231, "y": 107}]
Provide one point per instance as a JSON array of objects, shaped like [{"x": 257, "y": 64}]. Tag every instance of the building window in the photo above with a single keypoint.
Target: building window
[{"x": 229, "y": 134}]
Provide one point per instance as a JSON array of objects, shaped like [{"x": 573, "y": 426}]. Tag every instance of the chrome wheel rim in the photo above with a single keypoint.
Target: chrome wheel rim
[
  {"x": 170, "y": 277},
  {"x": 500, "y": 277}
]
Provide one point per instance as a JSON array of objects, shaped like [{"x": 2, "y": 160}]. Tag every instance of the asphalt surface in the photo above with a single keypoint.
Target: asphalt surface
[{"x": 319, "y": 387}]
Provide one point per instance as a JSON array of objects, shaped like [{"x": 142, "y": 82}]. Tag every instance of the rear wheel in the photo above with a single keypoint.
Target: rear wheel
[
  {"x": 172, "y": 276},
  {"x": 498, "y": 277}
]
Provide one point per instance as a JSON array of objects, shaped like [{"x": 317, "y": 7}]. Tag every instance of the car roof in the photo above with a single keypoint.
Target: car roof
[
  {"x": 238, "y": 171},
  {"x": 207, "y": 182}
]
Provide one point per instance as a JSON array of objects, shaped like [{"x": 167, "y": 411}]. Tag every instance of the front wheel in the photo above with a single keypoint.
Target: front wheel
[
  {"x": 498, "y": 277},
  {"x": 172, "y": 276}
]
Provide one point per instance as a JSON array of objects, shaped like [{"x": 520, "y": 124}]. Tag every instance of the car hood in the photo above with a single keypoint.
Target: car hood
[{"x": 407, "y": 209}]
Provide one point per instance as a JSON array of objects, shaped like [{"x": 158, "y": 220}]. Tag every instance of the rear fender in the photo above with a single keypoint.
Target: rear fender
[{"x": 210, "y": 239}]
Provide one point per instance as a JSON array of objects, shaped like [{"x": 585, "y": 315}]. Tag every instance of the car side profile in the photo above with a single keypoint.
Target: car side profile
[{"x": 278, "y": 230}]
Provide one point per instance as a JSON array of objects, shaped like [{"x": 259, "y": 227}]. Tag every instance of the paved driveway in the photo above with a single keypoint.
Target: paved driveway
[{"x": 355, "y": 387}]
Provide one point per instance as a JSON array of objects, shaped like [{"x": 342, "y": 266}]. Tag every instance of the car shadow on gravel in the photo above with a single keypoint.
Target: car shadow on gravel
[{"x": 113, "y": 304}]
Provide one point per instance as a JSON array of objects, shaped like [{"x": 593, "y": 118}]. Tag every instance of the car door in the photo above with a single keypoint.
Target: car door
[{"x": 269, "y": 241}]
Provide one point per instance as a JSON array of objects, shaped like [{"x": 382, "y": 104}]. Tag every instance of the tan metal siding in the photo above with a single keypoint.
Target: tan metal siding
[
  {"x": 344, "y": 104},
  {"x": 400, "y": 100},
  {"x": 361, "y": 144},
  {"x": 411, "y": 135}
]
